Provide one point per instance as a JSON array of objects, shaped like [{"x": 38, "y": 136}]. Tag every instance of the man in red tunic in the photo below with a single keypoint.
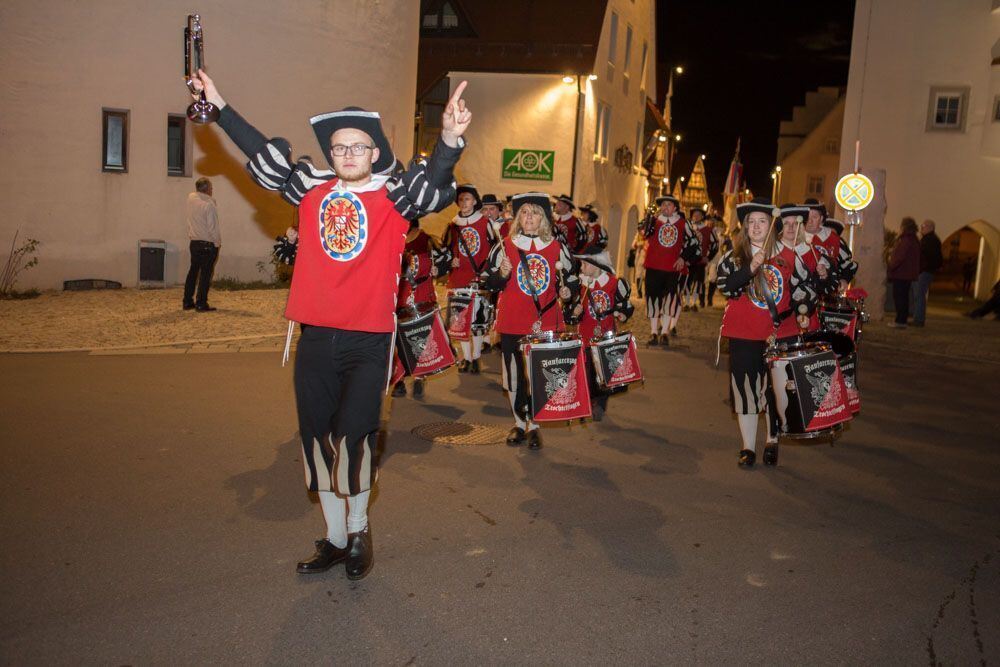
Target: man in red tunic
[
  {"x": 569, "y": 228},
  {"x": 671, "y": 245},
  {"x": 353, "y": 223}
]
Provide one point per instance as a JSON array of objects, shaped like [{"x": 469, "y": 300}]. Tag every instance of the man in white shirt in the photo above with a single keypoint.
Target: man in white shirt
[{"x": 203, "y": 230}]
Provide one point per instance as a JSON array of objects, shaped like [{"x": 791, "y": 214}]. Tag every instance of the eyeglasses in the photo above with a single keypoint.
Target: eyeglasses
[{"x": 340, "y": 150}]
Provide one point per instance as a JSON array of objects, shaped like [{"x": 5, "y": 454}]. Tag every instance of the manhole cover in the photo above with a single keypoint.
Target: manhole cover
[{"x": 461, "y": 433}]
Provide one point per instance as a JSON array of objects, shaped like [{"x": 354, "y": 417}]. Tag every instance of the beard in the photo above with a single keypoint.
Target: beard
[{"x": 356, "y": 173}]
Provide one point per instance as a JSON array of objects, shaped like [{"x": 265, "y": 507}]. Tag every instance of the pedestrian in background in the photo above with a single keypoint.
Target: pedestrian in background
[
  {"x": 203, "y": 230},
  {"x": 931, "y": 261},
  {"x": 904, "y": 268}
]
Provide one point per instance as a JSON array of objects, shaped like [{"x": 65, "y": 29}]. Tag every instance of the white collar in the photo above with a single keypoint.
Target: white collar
[
  {"x": 377, "y": 183},
  {"x": 525, "y": 242},
  {"x": 671, "y": 218},
  {"x": 823, "y": 234},
  {"x": 602, "y": 279},
  {"x": 463, "y": 221},
  {"x": 565, "y": 216}
]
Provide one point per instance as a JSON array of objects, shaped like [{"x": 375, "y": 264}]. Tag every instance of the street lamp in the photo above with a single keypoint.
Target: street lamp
[
  {"x": 568, "y": 79},
  {"x": 679, "y": 69},
  {"x": 592, "y": 77},
  {"x": 677, "y": 138}
]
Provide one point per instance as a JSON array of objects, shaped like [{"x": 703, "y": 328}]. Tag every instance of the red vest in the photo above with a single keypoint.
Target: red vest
[
  {"x": 348, "y": 262},
  {"x": 706, "y": 241},
  {"x": 568, "y": 228},
  {"x": 665, "y": 244},
  {"x": 598, "y": 308},
  {"x": 477, "y": 240},
  {"x": 593, "y": 231},
  {"x": 748, "y": 317},
  {"x": 516, "y": 312},
  {"x": 790, "y": 326},
  {"x": 419, "y": 252},
  {"x": 830, "y": 248}
]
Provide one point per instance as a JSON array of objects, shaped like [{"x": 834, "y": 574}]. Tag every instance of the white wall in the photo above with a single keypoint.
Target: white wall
[
  {"x": 277, "y": 63},
  {"x": 900, "y": 49}
]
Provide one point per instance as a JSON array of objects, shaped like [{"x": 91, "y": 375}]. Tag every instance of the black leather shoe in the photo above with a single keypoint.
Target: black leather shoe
[
  {"x": 515, "y": 437},
  {"x": 771, "y": 455},
  {"x": 747, "y": 458},
  {"x": 399, "y": 389},
  {"x": 664, "y": 341},
  {"x": 205, "y": 309},
  {"x": 188, "y": 306},
  {"x": 487, "y": 348},
  {"x": 326, "y": 556},
  {"x": 418, "y": 388},
  {"x": 474, "y": 367},
  {"x": 534, "y": 439},
  {"x": 654, "y": 340},
  {"x": 360, "y": 554},
  {"x": 463, "y": 366}
]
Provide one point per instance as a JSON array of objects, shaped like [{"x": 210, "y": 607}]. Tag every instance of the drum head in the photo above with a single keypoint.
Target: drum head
[{"x": 841, "y": 343}]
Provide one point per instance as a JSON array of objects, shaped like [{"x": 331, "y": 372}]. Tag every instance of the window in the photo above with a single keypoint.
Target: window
[
  {"x": 602, "y": 133},
  {"x": 114, "y": 143},
  {"x": 612, "y": 46},
  {"x": 176, "y": 145},
  {"x": 441, "y": 18},
  {"x": 627, "y": 60},
  {"x": 832, "y": 146},
  {"x": 642, "y": 70},
  {"x": 946, "y": 109},
  {"x": 814, "y": 187},
  {"x": 449, "y": 19}
]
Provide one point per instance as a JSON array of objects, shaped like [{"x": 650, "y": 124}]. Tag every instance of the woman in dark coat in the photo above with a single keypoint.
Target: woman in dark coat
[{"x": 904, "y": 267}]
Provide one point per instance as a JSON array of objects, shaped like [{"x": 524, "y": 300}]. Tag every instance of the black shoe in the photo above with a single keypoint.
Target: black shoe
[
  {"x": 418, "y": 388},
  {"x": 534, "y": 439},
  {"x": 694, "y": 308},
  {"x": 747, "y": 458},
  {"x": 474, "y": 367},
  {"x": 188, "y": 306},
  {"x": 685, "y": 308},
  {"x": 399, "y": 389},
  {"x": 360, "y": 554},
  {"x": 515, "y": 437},
  {"x": 673, "y": 332},
  {"x": 205, "y": 309},
  {"x": 771, "y": 455},
  {"x": 654, "y": 340},
  {"x": 598, "y": 412},
  {"x": 487, "y": 348},
  {"x": 664, "y": 341},
  {"x": 463, "y": 366},
  {"x": 326, "y": 556}
]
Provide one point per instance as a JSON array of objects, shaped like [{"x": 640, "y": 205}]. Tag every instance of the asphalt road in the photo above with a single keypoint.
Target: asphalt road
[{"x": 154, "y": 511}]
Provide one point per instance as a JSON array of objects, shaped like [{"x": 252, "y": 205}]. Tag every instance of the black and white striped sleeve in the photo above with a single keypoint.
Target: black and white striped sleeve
[
  {"x": 427, "y": 186},
  {"x": 691, "y": 252},
  {"x": 601, "y": 237},
  {"x": 623, "y": 300},
  {"x": 732, "y": 279},
  {"x": 567, "y": 271},
  {"x": 804, "y": 294},
  {"x": 493, "y": 281},
  {"x": 713, "y": 246},
  {"x": 846, "y": 266},
  {"x": 442, "y": 255}
]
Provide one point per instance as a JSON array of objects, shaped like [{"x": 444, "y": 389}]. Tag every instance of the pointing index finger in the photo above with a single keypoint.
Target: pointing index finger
[{"x": 458, "y": 93}]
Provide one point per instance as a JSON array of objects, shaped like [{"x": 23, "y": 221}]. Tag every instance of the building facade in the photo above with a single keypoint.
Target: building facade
[
  {"x": 810, "y": 167},
  {"x": 923, "y": 98},
  {"x": 74, "y": 70}
]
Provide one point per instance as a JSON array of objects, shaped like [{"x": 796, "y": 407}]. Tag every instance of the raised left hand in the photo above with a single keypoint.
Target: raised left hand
[{"x": 456, "y": 117}]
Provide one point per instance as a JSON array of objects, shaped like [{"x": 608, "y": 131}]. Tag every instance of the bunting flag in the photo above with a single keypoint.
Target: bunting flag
[{"x": 734, "y": 179}]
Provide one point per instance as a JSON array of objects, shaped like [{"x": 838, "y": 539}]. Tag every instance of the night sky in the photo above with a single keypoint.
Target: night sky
[{"x": 746, "y": 64}]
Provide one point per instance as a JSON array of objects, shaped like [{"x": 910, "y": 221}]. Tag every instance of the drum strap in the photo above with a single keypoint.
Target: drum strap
[
  {"x": 531, "y": 287},
  {"x": 772, "y": 307},
  {"x": 465, "y": 247}
]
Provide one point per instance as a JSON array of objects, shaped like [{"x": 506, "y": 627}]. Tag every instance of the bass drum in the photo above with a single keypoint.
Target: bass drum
[
  {"x": 809, "y": 390},
  {"x": 557, "y": 376},
  {"x": 838, "y": 314},
  {"x": 421, "y": 340},
  {"x": 847, "y": 358}
]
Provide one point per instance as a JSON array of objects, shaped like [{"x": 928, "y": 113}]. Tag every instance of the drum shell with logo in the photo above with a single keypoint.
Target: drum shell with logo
[
  {"x": 461, "y": 324},
  {"x": 417, "y": 329},
  {"x": 840, "y": 315},
  {"x": 605, "y": 349},
  {"x": 556, "y": 376},
  {"x": 847, "y": 358},
  {"x": 807, "y": 409}
]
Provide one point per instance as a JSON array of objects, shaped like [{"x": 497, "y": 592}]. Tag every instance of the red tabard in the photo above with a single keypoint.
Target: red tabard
[
  {"x": 568, "y": 228},
  {"x": 706, "y": 241},
  {"x": 348, "y": 262},
  {"x": 830, "y": 248},
  {"x": 790, "y": 326},
  {"x": 419, "y": 250},
  {"x": 516, "y": 312},
  {"x": 748, "y": 317},
  {"x": 664, "y": 245},
  {"x": 593, "y": 231},
  {"x": 477, "y": 240},
  {"x": 599, "y": 301}
]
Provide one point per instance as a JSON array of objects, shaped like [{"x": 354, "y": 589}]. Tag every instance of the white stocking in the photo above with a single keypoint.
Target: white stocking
[
  {"x": 748, "y": 431},
  {"x": 357, "y": 517},
  {"x": 335, "y": 513}
]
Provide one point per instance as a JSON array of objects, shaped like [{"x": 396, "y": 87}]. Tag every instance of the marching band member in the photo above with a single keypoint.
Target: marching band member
[
  {"x": 709, "y": 249},
  {"x": 569, "y": 228},
  {"x": 416, "y": 284},
  {"x": 603, "y": 300},
  {"x": 344, "y": 289},
  {"x": 467, "y": 242},
  {"x": 532, "y": 270},
  {"x": 596, "y": 235},
  {"x": 789, "y": 227},
  {"x": 493, "y": 210},
  {"x": 671, "y": 244},
  {"x": 765, "y": 283},
  {"x": 825, "y": 234}
]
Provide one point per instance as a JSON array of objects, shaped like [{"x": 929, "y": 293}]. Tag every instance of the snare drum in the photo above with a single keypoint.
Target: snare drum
[
  {"x": 809, "y": 390},
  {"x": 557, "y": 376},
  {"x": 616, "y": 360},
  {"x": 847, "y": 357},
  {"x": 840, "y": 315},
  {"x": 422, "y": 342},
  {"x": 469, "y": 311}
]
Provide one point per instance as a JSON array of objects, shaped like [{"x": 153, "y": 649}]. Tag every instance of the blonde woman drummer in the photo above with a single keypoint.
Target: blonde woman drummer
[{"x": 532, "y": 271}]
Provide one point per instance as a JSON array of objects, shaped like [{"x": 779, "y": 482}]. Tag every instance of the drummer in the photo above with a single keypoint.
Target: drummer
[
  {"x": 529, "y": 303},
  {"x": 603, "y": 300},
  {"x": 569, "y": 229},
  {"x": 765, "y": 283},
  {"x": 596, "y": 235},
  {"x": 465, "y": 246},
  {"x": 826, "y": 235},
  {"x": 789, "y": 227},
  {"x": 416, "y": 285},
  {"x": 493, "y": 210}
]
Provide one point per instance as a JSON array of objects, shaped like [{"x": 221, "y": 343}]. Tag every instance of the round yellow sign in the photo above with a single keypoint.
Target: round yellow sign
[{"x": 854, "y": 192}]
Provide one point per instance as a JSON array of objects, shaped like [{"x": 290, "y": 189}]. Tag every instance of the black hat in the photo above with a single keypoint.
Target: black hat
[
  {"x": 789, "y": 210},
  {"x": 538, "y": 198},
  {"x": 369, "y": 122},
  {"x": 660, "y": 200},
  {"x": 471, "y": 189},
  {"x": 492, "y": 200},
  {"x": 591, "y": 212},
  {"x": 755, "y": 205},
  {"x": 566, "y": 199},
  {"x": 835, "y": 225},
  {"x": 597, "y": 256},
  {"x": 814, "y": 205},
  {"x": 704, "y": 213}
]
